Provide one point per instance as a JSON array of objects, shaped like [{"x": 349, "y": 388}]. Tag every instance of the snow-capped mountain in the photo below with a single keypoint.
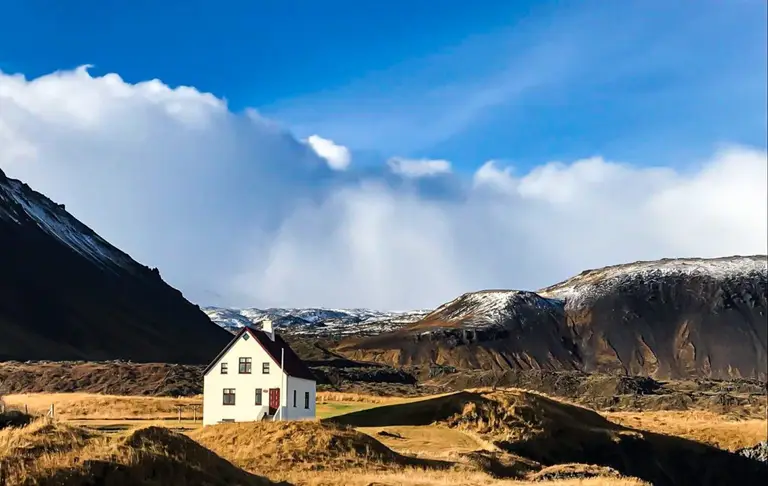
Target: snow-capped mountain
[
  {"x": 315, "y": 320},
  {"x": 20, "y": 204},
  {"x": 671, "y": 318},
  {"x": 68, "y": 294}
]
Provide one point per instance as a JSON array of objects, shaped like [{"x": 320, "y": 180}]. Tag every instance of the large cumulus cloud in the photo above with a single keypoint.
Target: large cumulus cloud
[{"x": 236, "y": 211}]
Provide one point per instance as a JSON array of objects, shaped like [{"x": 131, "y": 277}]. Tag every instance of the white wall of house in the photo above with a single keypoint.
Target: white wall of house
[
  {"x": 298, "y": 387},
  {"x": 245, "y": 385}
]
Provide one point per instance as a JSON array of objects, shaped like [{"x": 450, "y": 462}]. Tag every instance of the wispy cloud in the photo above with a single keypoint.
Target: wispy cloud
[{"x": 623, "y": 72}]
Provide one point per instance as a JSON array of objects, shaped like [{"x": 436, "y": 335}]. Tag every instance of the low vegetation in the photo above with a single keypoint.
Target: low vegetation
[
  {"x": 480, "y": 437},
  {"x": 96, "y": 406},
  {"x": 550, "y": 432},
  {"x": 55, "y": 454},
  {"x": 722, "y": 431}
]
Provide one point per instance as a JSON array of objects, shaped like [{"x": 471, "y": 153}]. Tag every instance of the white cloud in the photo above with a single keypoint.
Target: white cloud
[
  {"x": 233, "y": 210},
  {"x": 415, "y": 168},
  {"x": 338, "y": 156}
]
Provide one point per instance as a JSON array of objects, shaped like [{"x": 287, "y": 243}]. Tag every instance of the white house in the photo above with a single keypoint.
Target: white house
[{"x": 257, "y": 376}]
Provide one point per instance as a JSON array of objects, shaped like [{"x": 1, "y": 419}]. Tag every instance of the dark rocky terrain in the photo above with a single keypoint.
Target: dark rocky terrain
[
  {"x": 676, "y": 319},
  {"x": 66, "y": 294}
]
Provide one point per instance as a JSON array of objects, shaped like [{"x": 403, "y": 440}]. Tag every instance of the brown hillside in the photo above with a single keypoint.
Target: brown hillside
[
  {"x": 53, "y": 454},
  {"x": 672, "y": 318},
  {"x": 554, "y": 433},
  {"x": 490, "y": 329},
  {"x": 66, "y": 294},
  {"x": 675, "y": 319}
]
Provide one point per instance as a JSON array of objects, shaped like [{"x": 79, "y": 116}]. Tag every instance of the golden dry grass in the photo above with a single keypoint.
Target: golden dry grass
[
  {"x": 707, "y": 427},
  {"x": 308, "y": 453},
  {"x": 94, "y": 406},
  {"x": 422, "y": 477},
  {"x": 435, "y": 450},
  {"x": 51, "y": 453},
  {"x": 325, "y": 397},
  {"x": 433, "y": 442}
]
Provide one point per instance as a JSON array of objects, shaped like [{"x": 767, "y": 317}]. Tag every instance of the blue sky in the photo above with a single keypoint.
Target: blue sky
[
  {"x": 523, "y": 81},
  {"x": 391, "y": 154}
]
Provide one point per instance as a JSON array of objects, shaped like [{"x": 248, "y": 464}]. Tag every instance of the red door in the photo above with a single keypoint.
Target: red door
[{"x": 274, "y": 400}]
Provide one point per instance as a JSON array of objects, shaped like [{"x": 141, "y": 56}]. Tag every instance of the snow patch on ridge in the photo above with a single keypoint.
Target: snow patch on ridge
[
  {"x": 315, "y": 321},
  {"x": 593, "y": 284},
  {"x": 23, "y": 204},
  {"x": 491, "y": 306}
]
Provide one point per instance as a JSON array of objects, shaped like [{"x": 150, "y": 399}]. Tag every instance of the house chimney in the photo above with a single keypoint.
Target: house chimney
[{"x": 266, "y": 326}]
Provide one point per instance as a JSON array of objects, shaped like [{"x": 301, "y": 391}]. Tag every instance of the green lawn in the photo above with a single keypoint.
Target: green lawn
[{"x": 332, "y": 409}]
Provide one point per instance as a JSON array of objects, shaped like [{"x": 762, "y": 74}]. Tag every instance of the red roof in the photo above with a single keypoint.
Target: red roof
[{"x": 293, "y": 365}]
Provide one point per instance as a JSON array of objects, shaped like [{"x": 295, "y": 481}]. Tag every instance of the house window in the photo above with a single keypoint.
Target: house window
[
  {"x": 306, "y": 400},
  {"x": 258, "y": 396},
  {"x": 224, "y": 368},
  {"x": 245, "y": 366},
  {"x": 265, "y": 368},
  {"x": 294, "y": 398},
  {"x": 229, "y": 396}
]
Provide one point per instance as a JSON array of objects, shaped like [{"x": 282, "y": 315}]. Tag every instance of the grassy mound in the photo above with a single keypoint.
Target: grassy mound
[
  {"x": 552, "y": 433},
  {"x": 56, "y": 454},
  {"x": 303, "y": 445}
]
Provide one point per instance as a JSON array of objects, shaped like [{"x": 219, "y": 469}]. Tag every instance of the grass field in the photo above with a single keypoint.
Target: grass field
[
  {"x": 121, "y": 412},
  {"x": 707, "y": 427},
  {"x": 318, "y": 453}
]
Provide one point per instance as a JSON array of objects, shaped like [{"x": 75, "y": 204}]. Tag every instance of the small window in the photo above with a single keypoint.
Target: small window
[
  {"x": 244, "y": 366},
  {"x": 227, "y": 421},
  {"x": 224, "y": 368},
  {"x": 265, "y": 368},
  {"x": 294, "y": 398},
  {"x": 306, "y": 400},
  {"x": 229, "y": 396},
  {"x": 258, "y": 396},
  {"x": 246, "y": 337}
]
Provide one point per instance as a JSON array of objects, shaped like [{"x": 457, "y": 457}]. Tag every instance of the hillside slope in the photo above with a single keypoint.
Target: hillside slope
[
  {"x": 666, "y": 319},
  {"x": 66, "y": 294},
  {"x": 490, "y": 329},
  {"x": 671, "y": 318}
]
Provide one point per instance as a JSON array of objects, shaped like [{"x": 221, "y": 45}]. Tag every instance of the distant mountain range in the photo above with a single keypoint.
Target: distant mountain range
[
  {"x": 67, "y": 294},
  {"x": 672, "y": 318},
  {"x": 315, "y": 321}
]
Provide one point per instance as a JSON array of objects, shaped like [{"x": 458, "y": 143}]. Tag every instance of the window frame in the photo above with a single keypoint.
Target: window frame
[
  {"x": 259, "y": 398},
  {"x": 306, "y": 400},
  {"x": 294, "y": 398},
  {"x": 265, "y": 368},
  {"x": 229, "y": 392},
  {"x": 244, "y": 366},
  {"x": 224, "y": 368}
]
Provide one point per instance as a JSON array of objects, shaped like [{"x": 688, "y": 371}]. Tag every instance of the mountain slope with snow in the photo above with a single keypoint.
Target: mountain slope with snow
[
  {"x": 674, "y": 318},
  {"x": 67, "y": 294},
  {"x": 315, "y": 321}
]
